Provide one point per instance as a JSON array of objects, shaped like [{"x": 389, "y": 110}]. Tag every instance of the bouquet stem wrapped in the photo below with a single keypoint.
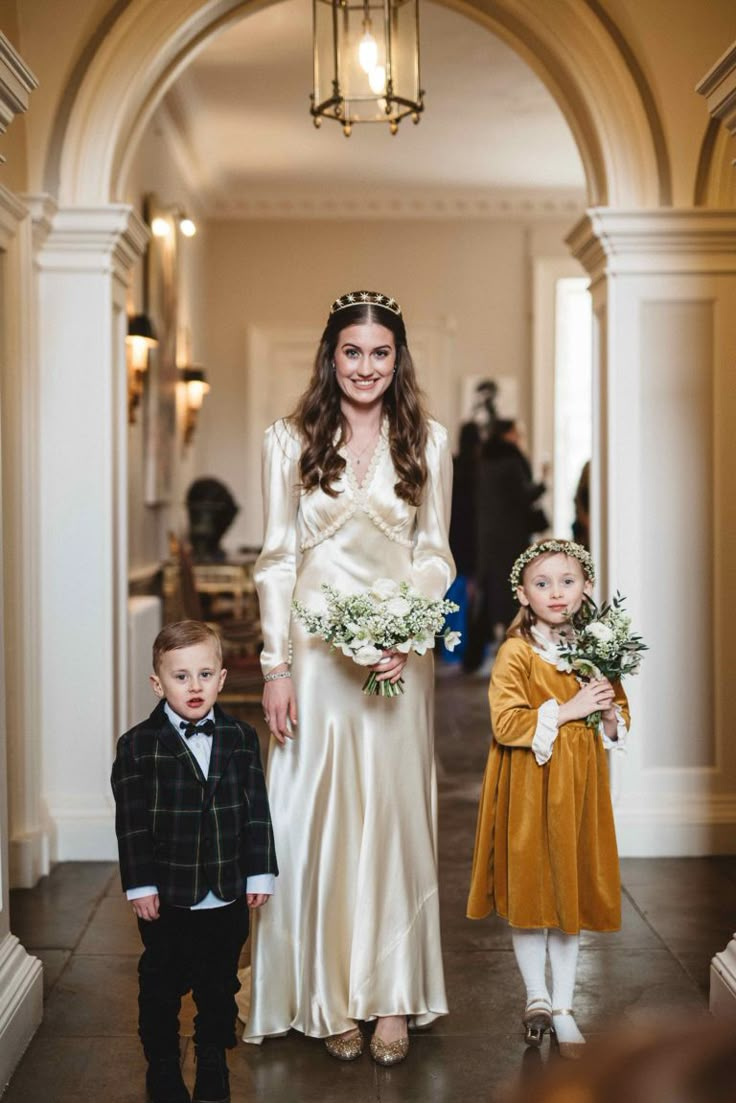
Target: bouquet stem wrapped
[{"x": 388, "y": 617}]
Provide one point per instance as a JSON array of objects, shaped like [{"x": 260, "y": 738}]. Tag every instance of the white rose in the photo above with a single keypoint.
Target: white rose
[
  {"x": 422, "y": 646},
  {"x": 384, "y": 588},
  {"x": 599, "y": 631},
  {"x": 367, "y": 655},
  {"x": 452, "y": 639},
  {"x": 398, "y": 607}
]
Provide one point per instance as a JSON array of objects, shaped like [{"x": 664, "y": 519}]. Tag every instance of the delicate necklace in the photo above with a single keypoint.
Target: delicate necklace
[{"x": 358, "y": 456}]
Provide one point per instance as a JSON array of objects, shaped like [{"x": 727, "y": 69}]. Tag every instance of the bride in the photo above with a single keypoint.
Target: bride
[{"x": 356, "y": 487}]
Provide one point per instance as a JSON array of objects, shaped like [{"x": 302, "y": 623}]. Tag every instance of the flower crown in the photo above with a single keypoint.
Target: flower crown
[
  {"x": 564, "y": 547},
  {"x": 369, "y": 298}
]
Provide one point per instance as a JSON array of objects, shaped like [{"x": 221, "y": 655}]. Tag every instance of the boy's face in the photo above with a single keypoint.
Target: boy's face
[{"x": 190, "y": 679}]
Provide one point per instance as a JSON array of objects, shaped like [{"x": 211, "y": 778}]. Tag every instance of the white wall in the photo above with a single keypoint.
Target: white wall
[{"x": 474, "y": 277}]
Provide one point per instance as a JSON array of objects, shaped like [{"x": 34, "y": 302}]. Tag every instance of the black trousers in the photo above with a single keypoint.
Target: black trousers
[{"x": 195, "y": 951}]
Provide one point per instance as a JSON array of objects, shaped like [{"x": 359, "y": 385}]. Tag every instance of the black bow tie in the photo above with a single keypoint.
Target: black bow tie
[{"x": 207, "y": 727}]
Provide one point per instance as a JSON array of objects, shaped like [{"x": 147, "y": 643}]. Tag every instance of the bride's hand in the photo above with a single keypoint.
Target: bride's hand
[
  {"x": 279, "y": 707},
  {"x": 390, "y": 667}
]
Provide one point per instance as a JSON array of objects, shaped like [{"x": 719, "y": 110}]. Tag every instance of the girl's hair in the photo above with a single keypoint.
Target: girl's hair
[
  {"x": 525, "y": 619},
  {"x": 320, "y": 422}
]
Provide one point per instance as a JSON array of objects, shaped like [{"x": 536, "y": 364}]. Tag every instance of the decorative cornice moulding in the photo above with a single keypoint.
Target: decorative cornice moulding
[
  {"x": 719, "y": 88},
  {"x": 453, "y": 204},
  {"x": 16, "y": 83},
  {"x": 90, "y": 239},
  {"x": 661, "y": 241}
]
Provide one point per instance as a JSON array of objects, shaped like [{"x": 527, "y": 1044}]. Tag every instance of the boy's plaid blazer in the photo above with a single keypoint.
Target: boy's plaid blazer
[{"x": 181, "y": 831}]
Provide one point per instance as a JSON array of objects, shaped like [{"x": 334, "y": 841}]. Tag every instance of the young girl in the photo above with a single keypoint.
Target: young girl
[{"x": 545, "y": 850}]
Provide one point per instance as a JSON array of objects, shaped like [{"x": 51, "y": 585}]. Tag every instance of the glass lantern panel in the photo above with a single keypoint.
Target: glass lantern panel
[
  {"x": 405, "y": 49},
  {"x": 355, "y": 22},
  {"x": 324, "y": 53}
]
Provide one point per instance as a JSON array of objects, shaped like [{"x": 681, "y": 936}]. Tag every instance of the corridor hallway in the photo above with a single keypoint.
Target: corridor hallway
[{"x": 677, "y": 914}]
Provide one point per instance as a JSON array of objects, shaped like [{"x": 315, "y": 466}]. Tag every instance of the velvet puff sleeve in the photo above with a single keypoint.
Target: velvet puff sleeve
[
  {"x": 433, "y": 565},
  {"x": 515, "y": 723},
  {"x": 275, "y": 569}
]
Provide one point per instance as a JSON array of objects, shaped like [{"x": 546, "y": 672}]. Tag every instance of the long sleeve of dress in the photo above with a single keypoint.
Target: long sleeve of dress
[
  {"x": 275, "y": 569},
  {"x": 514, "y": 720},
  {"x": 434, "y": 567}
]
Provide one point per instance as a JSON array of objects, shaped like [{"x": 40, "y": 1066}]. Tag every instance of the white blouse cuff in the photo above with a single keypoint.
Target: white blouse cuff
[
  {"x": 546, "y": 731},
  {"x": 619, "y": 743}
]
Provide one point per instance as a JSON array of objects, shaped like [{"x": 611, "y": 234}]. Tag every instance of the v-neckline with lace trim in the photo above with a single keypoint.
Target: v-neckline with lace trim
[{"x": 361, "y": 486}]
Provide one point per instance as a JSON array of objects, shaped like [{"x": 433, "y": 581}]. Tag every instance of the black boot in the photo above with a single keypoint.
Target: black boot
[
  {"x": 164, "y": 1082},
  {"x": 213, "y": 1080}
]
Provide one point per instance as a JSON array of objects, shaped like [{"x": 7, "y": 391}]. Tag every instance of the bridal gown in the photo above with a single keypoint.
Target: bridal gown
[{"x": 352, "y": 930}]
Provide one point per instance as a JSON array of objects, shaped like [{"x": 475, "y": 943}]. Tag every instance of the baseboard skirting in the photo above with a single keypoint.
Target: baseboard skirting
[
  {"x": 676, "y": 826},
  {"x": 21, "y": 1003},
  {"x": 87, "y": 836},
  {"x": 723, "y": 983},
  {"x": 28, "y": 858}
]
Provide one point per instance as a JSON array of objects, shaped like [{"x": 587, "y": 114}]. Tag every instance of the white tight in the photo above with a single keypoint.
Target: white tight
[{"x": 530, "y": 949}]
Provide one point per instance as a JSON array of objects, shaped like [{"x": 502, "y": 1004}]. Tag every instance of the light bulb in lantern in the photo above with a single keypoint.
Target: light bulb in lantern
[
  {"x": 368, "y": 50},
  {"x": 377, "y": 79}
]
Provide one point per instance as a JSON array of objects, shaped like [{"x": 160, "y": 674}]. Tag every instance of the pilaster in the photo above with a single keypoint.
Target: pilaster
[
  {"x": 664, "y": 300},
  {"x": 84, "y": 265},
  {"x": 21, "y": 986}
]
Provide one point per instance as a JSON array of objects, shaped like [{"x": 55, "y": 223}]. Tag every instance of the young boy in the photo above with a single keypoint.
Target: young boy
[{"x": 196, "y": 851}]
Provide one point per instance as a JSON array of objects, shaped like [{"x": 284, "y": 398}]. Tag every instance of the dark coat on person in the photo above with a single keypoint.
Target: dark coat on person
[
  {"x": 506, "y": 517},
  {"x": 183, "y": 832}
]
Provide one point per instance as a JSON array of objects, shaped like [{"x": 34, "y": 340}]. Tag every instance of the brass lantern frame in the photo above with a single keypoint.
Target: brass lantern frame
[{"x": 391, "y": 105}]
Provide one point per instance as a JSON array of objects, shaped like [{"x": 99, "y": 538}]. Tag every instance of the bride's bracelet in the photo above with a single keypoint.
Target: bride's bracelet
[{"x": 276, "y": 674}]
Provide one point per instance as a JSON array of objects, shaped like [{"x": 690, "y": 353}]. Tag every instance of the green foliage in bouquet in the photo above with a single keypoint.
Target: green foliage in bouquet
[
  {"x": 389, "y": 616},
  {"x": 601, "y": 645}
]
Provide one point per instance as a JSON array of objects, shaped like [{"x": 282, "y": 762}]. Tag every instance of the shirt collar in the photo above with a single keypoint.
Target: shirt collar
[{"x": 177, "y": 721}]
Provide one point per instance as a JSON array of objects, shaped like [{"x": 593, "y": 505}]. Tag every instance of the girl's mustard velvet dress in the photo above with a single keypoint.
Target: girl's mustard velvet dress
[{"x": 545, "y": 848}]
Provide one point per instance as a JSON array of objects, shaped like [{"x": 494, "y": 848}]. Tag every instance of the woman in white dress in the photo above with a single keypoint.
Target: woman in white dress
[{"x": 356, "y": 487}]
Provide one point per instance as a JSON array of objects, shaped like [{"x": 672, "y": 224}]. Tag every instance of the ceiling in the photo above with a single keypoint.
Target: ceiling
[{"x": 491, "y": 135}]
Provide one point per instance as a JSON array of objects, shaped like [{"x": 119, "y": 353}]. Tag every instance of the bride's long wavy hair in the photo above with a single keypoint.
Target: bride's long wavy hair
[{"x": 323, "y": 427}]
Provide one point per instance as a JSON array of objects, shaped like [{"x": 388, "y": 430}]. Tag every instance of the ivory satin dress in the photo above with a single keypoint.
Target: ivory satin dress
[{"x": 352, "y": 931}]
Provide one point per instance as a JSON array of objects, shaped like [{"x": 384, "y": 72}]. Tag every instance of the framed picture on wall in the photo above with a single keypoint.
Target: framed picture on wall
[{"x": 159, "y": 411}]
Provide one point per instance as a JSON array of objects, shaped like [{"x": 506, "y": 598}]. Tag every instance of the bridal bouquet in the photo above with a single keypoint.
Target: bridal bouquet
[
  {"x": 601, "y": 645},
  {"x": 389, "y": 616}
]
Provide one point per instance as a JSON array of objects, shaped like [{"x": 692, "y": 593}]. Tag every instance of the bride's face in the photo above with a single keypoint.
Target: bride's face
[{"x": 365, "y": 357}]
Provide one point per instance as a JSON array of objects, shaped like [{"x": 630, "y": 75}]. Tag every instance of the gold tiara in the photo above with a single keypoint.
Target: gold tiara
[{"x": 369, "y": 298}]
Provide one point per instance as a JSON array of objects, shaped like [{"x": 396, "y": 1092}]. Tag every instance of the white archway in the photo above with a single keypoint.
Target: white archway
[
  {"x": 664, "y": 284},
  {"x": 577, "y": 54}
]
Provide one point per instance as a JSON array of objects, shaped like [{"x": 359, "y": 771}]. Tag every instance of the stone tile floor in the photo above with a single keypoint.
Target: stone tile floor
[{"x": 677, "y": 914}]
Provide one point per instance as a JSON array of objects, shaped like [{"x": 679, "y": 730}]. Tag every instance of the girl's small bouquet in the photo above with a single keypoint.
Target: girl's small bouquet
[
  {"x": 601, "y": 644},
  {"x": 390, "y": 616}
]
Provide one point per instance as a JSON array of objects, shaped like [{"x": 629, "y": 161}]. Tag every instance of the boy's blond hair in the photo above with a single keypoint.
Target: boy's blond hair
[{"x": 183, "y": 633}]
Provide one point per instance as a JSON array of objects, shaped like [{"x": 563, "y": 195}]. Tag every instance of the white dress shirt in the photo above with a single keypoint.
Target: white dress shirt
[{"x": 200, "y": 745}]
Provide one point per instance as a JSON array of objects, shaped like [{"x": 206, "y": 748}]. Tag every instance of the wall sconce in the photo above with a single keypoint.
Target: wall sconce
[
  {"x": 140, "y": 338},
  {"x": 196, "y": 387}
]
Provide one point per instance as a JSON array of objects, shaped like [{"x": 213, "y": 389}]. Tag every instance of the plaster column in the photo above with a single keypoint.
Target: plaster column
[
  {"x": 664, "y": 298},
  {"x": 719, "y": 88},
  {"x": 21, "y": 983},
  {"x": 84, "y": 266}
]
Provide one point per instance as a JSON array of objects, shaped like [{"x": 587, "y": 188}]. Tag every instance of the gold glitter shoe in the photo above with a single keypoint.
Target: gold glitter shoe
[
  {"x": 389, "y": 1053},
  {"x": 346, "y": 1047}
]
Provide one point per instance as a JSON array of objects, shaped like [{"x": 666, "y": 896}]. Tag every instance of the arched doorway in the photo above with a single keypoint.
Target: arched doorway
[{"x": 645, "y": 280}]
